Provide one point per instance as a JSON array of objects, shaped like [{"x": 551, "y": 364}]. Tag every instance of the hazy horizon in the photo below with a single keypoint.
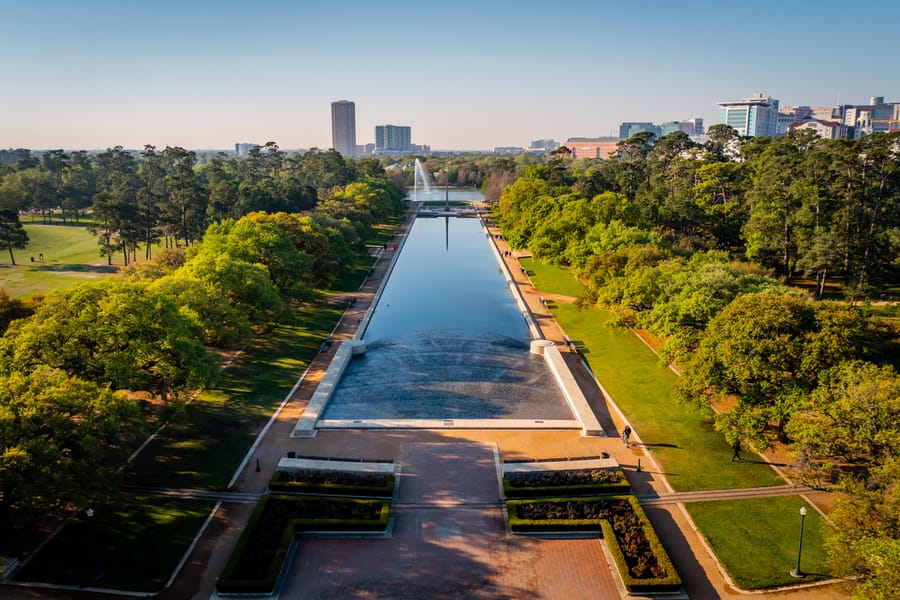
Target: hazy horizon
[{"x": 468, "y": 76}]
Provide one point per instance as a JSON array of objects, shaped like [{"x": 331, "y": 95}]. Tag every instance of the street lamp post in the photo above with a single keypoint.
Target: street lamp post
[
  {"x": 796, "y": 572},
  {"x": 90, "y": 523}
]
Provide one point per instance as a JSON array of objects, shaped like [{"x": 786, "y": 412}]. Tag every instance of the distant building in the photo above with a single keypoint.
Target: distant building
[
  {"x": 244, "y": 149},
  {"x": 751, "y": 117},
  {"x": 829, "y": 130},
  {"x": 542, "y": 146},
  {"x": 692, "y": 127},
  {"x": 631, "y": 128},
  {"x": 393, "y": 139},
  {"x": 600, "y": 147},
  {"x": 343, "y": 127},
  {"x": 508, "y": 150},
  {"x": 877, "y": 116}
]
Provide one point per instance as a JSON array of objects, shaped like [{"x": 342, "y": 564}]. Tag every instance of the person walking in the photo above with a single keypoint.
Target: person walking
[{"x": 626, "y": 435}]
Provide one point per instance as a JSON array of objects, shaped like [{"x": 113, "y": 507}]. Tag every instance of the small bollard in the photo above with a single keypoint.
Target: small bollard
[
  {"x": 257, "y": 466},
  {"x": 639, "y": 466}
]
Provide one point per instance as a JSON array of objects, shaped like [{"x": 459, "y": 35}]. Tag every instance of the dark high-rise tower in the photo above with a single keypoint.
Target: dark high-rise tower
[{"x": 343, "y": 127}]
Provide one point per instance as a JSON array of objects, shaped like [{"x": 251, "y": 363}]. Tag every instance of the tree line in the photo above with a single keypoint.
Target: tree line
[
  {"x": 87, "y": 372},
  {"x": 139, "y": 200},
  {"x": 698, "y": 244}
]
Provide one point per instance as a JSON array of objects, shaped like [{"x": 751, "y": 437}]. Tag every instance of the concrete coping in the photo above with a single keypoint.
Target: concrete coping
[
  {"x": 302, "y": 464},
  {"x": 560, "y": 465}
]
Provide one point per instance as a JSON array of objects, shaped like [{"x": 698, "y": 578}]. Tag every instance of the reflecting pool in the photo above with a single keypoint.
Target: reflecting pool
[{"x": 446, "y": 339}]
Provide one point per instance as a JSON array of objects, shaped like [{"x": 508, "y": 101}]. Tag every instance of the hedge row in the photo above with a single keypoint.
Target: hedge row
[
  {"x": 260, "y": 545},
  {"x": 619, "y": 486},
  {"x": 286, "y": 482},
  {"x": 669, "y": 581}
]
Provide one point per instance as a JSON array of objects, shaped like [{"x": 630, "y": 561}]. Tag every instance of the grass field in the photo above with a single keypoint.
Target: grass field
[
  {"x": 70, "y": 254},
  {"x": 757, "y": 539},
  {"x": 132, "y": 545}
]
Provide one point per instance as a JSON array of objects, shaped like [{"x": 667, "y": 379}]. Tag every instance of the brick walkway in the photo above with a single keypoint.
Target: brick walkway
[{"x": 449, "y": 541}]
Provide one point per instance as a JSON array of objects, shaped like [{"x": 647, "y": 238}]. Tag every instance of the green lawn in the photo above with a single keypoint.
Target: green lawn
[
  {"x": 70, "y": 255},
  {"x": 134, "y": 545},
  {"x": 552, "y": 278},
  {"x": 757, "y": 539}
]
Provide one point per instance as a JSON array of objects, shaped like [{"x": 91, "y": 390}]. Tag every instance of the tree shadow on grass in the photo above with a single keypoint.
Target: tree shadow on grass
[{"x": 77, "y": 268}]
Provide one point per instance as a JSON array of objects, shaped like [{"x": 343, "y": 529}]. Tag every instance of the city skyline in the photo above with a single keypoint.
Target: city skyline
[{"x": 99, "y": 73}]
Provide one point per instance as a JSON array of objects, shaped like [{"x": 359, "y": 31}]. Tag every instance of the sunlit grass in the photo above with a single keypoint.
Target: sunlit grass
[
  {"x": 553, "y": 278},
  {"x": 757, "y": 539}
]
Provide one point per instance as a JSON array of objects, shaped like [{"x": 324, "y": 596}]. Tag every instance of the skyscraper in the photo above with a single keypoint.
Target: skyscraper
[{"x": 343, "y": 127}]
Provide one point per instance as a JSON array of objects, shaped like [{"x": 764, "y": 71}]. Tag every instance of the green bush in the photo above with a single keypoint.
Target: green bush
[
  {"x": 665, "y": 578},
  {"x": 348, "y": 484},
  {"x": 267, "y": 538},
  {"x": 529, "y": 485}
]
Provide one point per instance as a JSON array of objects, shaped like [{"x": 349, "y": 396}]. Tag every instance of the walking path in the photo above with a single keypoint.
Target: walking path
[{"x": 450, "y": 539}]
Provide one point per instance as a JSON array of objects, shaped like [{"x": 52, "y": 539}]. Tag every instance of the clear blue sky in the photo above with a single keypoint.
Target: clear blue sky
[{"x": 463, "y": 74}]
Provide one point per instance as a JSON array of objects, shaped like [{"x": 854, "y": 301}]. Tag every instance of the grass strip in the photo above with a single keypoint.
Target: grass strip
[
  {"x": 552, "y": 278},
  {"x": 757, "y": 539}
]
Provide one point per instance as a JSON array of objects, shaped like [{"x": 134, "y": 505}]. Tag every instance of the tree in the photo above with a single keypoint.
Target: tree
[
  {"x": 849, "y": 424},
  {"x": 766, "y": 350},
  {"x": 12, "y": 234},
  {"x": 848, "y": 432},
  {"x": 62, "y": 440},
  {"x": 774, "y": 207},
  {"x": 12, "y": 309},
  {"x": 112, "y": 332}
]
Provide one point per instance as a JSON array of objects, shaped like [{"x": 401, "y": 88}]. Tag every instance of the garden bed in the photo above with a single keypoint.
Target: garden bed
[
  {"x": 258, "y": 557},
  {"x": 642, "y": 562},
  {"x": 571, "y": 482},
  {"x": 333, "y": 482}
]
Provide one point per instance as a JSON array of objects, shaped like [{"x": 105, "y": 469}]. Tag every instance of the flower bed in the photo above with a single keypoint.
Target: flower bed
[
  {"x": 333, "y": 482},
  {"x": 574, "y": 482},
  {"x": 641, "y": 559},
  {"x": 258, "y": 557}
]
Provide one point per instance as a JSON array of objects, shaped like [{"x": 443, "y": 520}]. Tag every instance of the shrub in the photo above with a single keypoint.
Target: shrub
[
  {"x": 333, "y": 482},
  {"x": 574, "y": 482}
]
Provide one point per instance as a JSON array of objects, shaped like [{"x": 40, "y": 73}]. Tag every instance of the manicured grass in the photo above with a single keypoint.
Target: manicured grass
[
  {"x": 70, "y": 255},
  {"x": 757, "y": 539},
  {"x": 221, "y": 423},
  {"x": 552, "y": 278},
  {"x": 134, "y": 545}
]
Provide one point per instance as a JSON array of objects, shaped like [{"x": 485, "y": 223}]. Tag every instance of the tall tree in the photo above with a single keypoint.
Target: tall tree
[{"x": 12, "y": 234}]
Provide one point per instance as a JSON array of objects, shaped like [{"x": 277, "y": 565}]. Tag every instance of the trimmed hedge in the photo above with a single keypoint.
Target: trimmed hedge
[
  {"x": 637, "y": 573},
  {"x": 536, "y": 486},
  {"x": 334, "y": 483},
  {"x": 258, "y": 558}
]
